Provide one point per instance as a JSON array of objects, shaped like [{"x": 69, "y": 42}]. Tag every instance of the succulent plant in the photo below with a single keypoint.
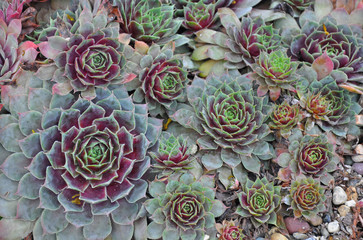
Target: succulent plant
[
  {"x": 307, "y": 197},
  {"x": 198, "y": 16},
  {"x": 330, "y": 107},
  {"x": 229, "y": 231},
  {"x": 229, "y": 118},
  {"x": 348, "y": 12},
  {"x": 148, "y": 21},
  {"x": 74, "y": 167},
  {"x": 284, "y": 117},
  {"x": 163, "y": 80},
  {"x": 310, "y": 156},
  {"x": 10, "y": 10},
  {"x": 273, "y": 72},
  {"x": 240, "y": 7},
  {"x": 66, "y": 22},
  {"x": 349, "y": 6},
  {"x": 182, "y": 209},
  {"x": 92, "y": 58},
  {"x": 259, "y": 201},
  {"x": 344, "y": 49},
  {"x": 240, "y": 45},
  {"x": 300, "y": 4},
  {"x": 11, "y": 54},
  {"x": 173, "y": 154}
]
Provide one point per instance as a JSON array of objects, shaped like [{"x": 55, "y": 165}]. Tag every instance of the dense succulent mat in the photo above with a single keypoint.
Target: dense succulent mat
[{"x": 181, "y": 119}]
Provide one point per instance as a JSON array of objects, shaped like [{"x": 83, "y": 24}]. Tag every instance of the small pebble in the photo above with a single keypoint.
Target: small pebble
[
  {"x": 339, "y": 196},
  {"x": 349, "y": 229},
  {"x": 298, "y": 235},
  {"x": 296, "y": 225},
  {"x": 327, "y": 218},
  {"x": 278, "y": 236},
  {"x": 358, "y": 167},
  {"x": 350, "y": 203},
  {"x": 325, "y": 232},
  {"x": 357, "y": 158},
  {"x": 260, "y": 238},
  {"x": 333, "y": 227},
  {"x": 359, "y": 149},
  {"x": 193, "y": 149},
  {"x": 343, "y": 210},
  {"x": 316, "y": 220},
  {"x": 348, "y": 160}
]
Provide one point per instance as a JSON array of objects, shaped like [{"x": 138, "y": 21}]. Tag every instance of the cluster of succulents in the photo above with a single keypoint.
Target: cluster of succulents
[{"x": 137, "y": 118}]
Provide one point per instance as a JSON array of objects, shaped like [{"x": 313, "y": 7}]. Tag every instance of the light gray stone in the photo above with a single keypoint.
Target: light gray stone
[
  {"x": 333, "y": 227},
  {"x": 298, "y": 235},
  {"x": 350, "y": 203},
  {"x": 339, "y": 196},
  {"x": 325, "y": 232}
]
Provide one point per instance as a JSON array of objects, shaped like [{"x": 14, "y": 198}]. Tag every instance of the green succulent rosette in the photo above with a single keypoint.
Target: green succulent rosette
[
  {"x": 274, "y": 72},
  {"x": 229, "y": 231},
  {"x": 91, "y": 58},
  {"x": 67, "y": 22},
  {"x": 330, "y": 107},
  {"x": 307, "y": 197},
  {"x": 148, "y": 21},
  {"x": 70, "y": 167},
  {"x": 162, "y": 80},
  {"x": 198, "y": 16},
  {"x": 309, "y": 155},
  {"x": 240, "y": 7},
  {"x": 240, "y": 45},
  {"x": 183, "y": 209},
  {"x": 300, "y": 5},
  {"x": 172, "y": 155},
  {"x": 259, "y": 201},
  {"x": 229, "y": 120},
  {"x": 342, "y": 44},
  {"x": 284, "y": 117}
]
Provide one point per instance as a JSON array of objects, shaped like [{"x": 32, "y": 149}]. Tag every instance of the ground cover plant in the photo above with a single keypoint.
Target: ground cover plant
[{"x": 181, "y": 119}]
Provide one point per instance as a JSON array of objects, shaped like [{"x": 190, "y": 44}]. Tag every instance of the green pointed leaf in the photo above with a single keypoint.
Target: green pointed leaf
[
  {"x": 212, "y": 161},
  {"x": 218, "y": 208},
  {"x": 15, "y": 228},
  {"x": 156, "y": 188},
  {"x": 251, "y": 163},
  {"x": 231, "y": 158},
  {"x": 39, "y": 99},
  {"x": 9, "y": 137},
  {"x": 100, "y": 228},
  {"x": 170, "y": 234},
  {"x": 154, "y": 230},
  {"x": 189, "y": 234},
  {"x": 54, "y": 221}
]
